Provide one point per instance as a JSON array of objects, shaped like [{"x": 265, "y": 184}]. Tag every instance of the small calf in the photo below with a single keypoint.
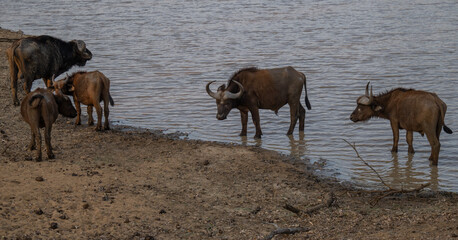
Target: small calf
[
  {"x": 88, "y": 88},
  {"x": 40, "y": 109}
]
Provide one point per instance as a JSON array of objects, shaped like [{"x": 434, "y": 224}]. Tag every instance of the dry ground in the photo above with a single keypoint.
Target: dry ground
[{"x": 136, "y": 184}]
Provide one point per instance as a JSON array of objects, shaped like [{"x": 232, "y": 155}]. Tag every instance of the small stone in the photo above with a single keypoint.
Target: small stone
[
  {"x": 162, "y": 211},
  {"x": 38, "y": 211},
  {"x": 85, "y": 205},
  {"x": 39, "y": 179},
  {"x": 54, "y": 225}
]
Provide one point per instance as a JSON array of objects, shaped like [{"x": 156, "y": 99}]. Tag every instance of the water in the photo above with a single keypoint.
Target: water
[{"x": 160, "y": 54}]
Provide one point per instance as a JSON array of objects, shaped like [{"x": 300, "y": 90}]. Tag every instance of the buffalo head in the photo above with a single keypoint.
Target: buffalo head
[
  {"x": 225, "y": 100},
  {"x": 366, "y": 107},
  {"x": 83, "y": 54},
  {"x": 64, "y": 85},
  {"x": 65, "y": 106}
]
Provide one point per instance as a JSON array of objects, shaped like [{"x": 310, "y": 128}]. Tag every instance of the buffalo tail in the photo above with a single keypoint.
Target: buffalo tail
[
  {"x": 111, "y": 99},
  {"x": 447, "y": 130},
  {"x": 307, "y": 103},
  {"x": 35, "y": 100}
]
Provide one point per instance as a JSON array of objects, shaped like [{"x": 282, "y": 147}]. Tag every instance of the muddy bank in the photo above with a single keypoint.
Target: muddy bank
[{"x": 132, "y": 183}]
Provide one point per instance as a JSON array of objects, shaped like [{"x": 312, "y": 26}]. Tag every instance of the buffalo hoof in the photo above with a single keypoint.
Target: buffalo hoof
[
  {"x": 38, "y": 159},
  {"x": 51, "y": 156},
  {"x": 242, "y": 134},
  {"x": 394, "y": 150},
  {"x": 106, "y": 128},
  {"x": 16, "y": 102},
  {"x": 90, "y": 123},
  {"x": 98, "y": 129},
  {"x": 257, "y": 136}
]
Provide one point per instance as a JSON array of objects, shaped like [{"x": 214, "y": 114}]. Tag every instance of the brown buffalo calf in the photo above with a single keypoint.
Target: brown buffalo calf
[
  {"x": 88, "y": 88},
  {"x": 40, "y": 109},
  {"x": 409, "y": 109}
]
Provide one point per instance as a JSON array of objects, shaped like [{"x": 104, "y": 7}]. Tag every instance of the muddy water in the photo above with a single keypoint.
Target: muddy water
[{"x": 160, "y": 54}]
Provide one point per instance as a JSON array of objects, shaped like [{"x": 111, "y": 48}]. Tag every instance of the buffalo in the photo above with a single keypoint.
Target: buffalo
[
  {"x": 40, "y": 109},
  {"x": 408, "y": 109},
  {"x": 88, "y": 88},
  {"x": 42, "y": 57},
  {"x": 251, "y": 89}
]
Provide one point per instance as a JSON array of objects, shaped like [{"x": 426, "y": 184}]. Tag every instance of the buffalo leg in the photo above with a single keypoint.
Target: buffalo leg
[
  {"x": 395, "y": 128},
  {"x": 244, "y": 118},
  {"x": 48, "y": 142},
  {"x": 435, "y": 147},
  {"x": 409, "y": 138},
  {"x": 90, "y": 120},
  {"x": 256, "y": 121},
  {"x": 78, "y": 111},
  {"x": 13, "y": 79},
  {"x": 301, "y": 118},
  {"x": 32, "y": 141},
  {"x": 106, "y": 113},
  {"x": 48, "y": 82},
  {"x": 38, "y": 143},
  {"x": 98, "y": 109},
  {"x": 27, "y": 84},
  {"x": 293, "y": 110}
]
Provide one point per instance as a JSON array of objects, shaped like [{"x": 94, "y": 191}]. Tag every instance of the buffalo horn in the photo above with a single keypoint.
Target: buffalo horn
[
  {"x": 371, "y": 97},
  {"x": 367, "y": 89},
  {"x": 229, "y": 95},
  {"x": 212, "y": 94}
]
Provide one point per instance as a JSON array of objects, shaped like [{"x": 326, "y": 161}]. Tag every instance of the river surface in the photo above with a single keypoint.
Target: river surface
[{"x": 160, "y": 54}]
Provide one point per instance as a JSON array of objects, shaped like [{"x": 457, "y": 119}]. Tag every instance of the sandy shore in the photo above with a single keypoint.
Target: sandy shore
[{"x": 130, "y": 183}]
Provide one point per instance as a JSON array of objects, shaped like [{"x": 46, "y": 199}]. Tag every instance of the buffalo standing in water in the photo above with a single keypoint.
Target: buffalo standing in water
[
  {"x": 42, "y": 57},
  {"x": 408, "y": 109},
  {"x": 251, "y": 89}
]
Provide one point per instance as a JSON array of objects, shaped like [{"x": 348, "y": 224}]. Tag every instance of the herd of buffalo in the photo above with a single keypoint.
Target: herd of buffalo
[{"x": 248, "y": 90}]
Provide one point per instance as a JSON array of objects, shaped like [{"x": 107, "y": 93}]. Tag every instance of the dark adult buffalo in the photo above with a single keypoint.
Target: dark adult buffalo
[
  {"x": 40, "y": 109},
  {"x": 251, "y": 89},
  {"x": 408, "y": 109},
  {"x": 42, "y": 57}
]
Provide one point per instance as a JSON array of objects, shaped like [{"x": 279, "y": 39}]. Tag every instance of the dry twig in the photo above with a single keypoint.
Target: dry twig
[
  {"x": 286, "y": 231},
  {"x": 390, "y": 190},
  {"x": 330, "y": 200}
]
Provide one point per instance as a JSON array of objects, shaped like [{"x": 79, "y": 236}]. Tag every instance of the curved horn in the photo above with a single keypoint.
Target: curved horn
[
  {"x": 212, "y": 94},
  {"x": 367, "y": 89},
  {"x": 229, "y": 95},
  {"x": 371, "y": 97}
]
